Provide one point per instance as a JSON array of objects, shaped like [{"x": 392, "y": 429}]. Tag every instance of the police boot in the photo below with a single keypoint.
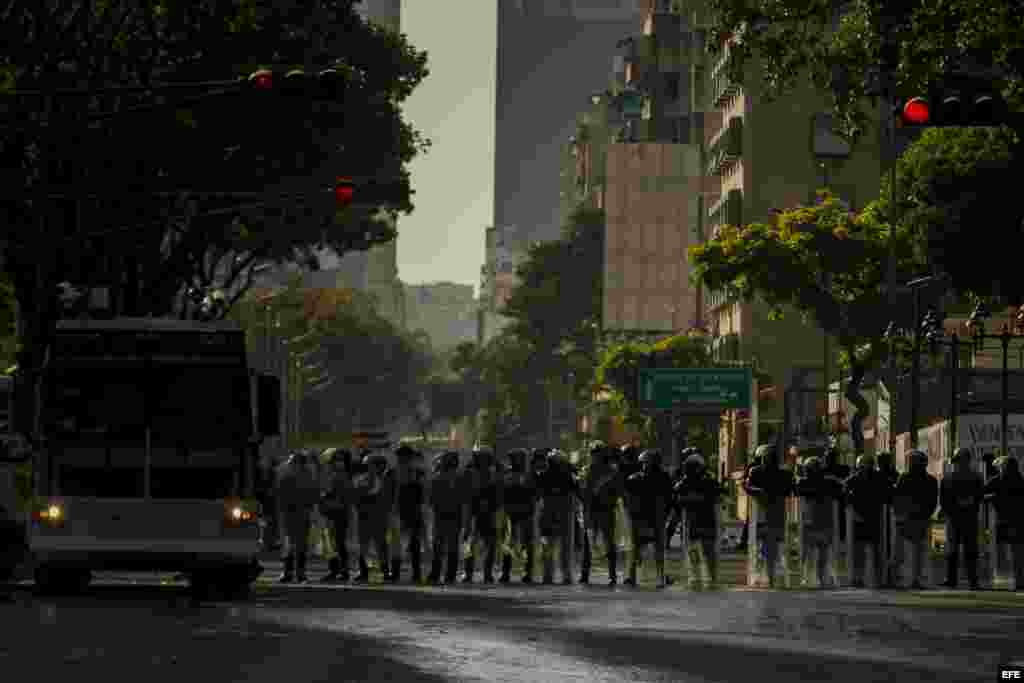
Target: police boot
[
  {"x": 417, "y": 571},
  {"x": 364, "y": 571},
  {"x": 506, "y": 569},
  {"x": 952, "y": 573},
  {"x": 467, "y": 577},
  {"x": 435, "y": 569},
  {"x": 396, "y": 570},
  {"x": 453, "y": 567},
  {"x": 613, "y": 577},
  {"x": 300, "y": 568},
  {"x": 489, "y": 560},
  {"x": 342, "y": 565},
  {"x": 972, "y": 572},
  {"x": 287, "y": 576},
  {"x": 528, "y": 570},
  {"x": 333, "y": 568}
]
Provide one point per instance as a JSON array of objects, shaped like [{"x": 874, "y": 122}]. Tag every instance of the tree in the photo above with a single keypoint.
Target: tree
[
  {"x": 956, "y": 177},
  {"x": 149, "y": 247},
  {"x": 376, "y": 368},
  {"x": 824, "y": 261}
]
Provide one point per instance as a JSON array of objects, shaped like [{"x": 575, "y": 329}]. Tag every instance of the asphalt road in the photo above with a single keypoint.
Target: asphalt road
[{"x": 153, "y": 633}]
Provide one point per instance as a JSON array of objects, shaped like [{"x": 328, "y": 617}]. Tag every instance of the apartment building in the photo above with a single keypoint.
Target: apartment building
[
  {"x": 759, "y": 157},
  {"x": 505, "y": 248}
]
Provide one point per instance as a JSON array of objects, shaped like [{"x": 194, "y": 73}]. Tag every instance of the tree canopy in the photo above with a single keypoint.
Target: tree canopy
[
  {"x": 948, "y": 179},
  {"x": 140, "y": 175}
]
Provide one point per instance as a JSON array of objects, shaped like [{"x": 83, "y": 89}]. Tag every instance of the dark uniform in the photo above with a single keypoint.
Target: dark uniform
[
  {"x": 483, "y": 490},
  {"x": 447, "y": 502},
  {"x": 335, "y": 506},
  {"x": 603, "y": 488},
  {"x": 960, "y": 495},
  {"x": 411, "y": 498},
  {"x": 914, "y": 499},
  {"x": 520, "y": 502},
  {"x": 866, "y": 491},
  {"x": 675, "y": 509},
  {"x": 647, "y": 494},
  {"x": 818, "y": 494},
  {"x": 837, "y": 473},
  {"x": 698, "y": 494},
  {"x": 298, "y": 492},
  {"x": 558, "y": 492},
  {"x": 1005, "y": 491},
  {"x": 770, "y": 485},
  {"x": 889, "y": 474},
  {"x": 374, "y": 489}
]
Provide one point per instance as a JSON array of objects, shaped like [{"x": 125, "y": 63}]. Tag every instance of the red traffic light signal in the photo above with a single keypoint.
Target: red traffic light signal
[
  {"x": 916, "y": 112},
  {"x": 262, "y": 79},
  {"x": 954, "y": 107},
  {"x": 344, "y": 192},
  {"x": 328, "y": 84}
]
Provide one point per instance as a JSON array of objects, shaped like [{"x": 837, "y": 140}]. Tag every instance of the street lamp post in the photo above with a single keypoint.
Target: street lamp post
[{"x": 976, "y": 324}]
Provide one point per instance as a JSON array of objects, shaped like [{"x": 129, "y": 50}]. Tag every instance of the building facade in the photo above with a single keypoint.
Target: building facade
[
  {"x": 551, "y": 55},
  {"x": 504, "y": 250}
]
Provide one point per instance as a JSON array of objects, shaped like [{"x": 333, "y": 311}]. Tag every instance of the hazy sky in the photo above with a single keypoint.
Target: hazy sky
[{"x": 454, "y": 106}]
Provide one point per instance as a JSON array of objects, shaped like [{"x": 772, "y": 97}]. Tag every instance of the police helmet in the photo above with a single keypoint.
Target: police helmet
[
  {"x": 865, "y": 461},
  {"x": 558, "y": 457},
  {"x": 694, "y": 461},
  {"x": 482, "y": 452},
  {"x": 598, "y": 448},
  {"x": 813, "y": 464},
  {"x": 406, "y": 451},
  {"x": 766, "y": 453},
  {"x": 449, "y": 460},
  {"x": 650, "y": 456},
  {"x": 1008, "y": 463},
  {"x": 376, "y": 460},
  {"x": 918, "y": 459},
  {"x": 629, "y": 453},
  {"x": 961, "y": 454}
]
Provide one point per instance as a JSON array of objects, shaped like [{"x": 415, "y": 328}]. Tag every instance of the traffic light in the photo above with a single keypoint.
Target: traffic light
[
  {"x": 950, "y": 107},
  {"x": 368, "y": 192},
  {"x": 328, "y": 84}
]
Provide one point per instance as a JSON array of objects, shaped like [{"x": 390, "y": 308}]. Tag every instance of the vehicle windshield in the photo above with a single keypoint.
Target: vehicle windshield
[{"x": 199, "y": 419}]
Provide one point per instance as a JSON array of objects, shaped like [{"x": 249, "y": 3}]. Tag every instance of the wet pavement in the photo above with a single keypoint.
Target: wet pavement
[{"x": 504, "y": 633}]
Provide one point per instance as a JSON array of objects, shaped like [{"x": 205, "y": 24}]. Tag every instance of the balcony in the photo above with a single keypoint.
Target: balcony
[{"x": 726, "y": 147}]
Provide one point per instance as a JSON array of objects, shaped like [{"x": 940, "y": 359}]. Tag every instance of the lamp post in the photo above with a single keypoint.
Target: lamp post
[
  {"x": 976, "y": 324},
  {"x": 893, "y": 334}
]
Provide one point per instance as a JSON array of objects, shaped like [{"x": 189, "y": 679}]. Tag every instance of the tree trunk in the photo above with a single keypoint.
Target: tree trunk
[{"x": 862, "y": 409}]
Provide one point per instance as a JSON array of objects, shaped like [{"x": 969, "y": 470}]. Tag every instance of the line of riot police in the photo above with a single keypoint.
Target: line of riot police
[
  {"x": 496, "y": 511},
  {"x": 882, "y": 517}
]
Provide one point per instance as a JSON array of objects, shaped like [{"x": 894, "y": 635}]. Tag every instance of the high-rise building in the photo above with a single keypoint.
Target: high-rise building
[
  {"x": 552, "y": 55},
  {"x": 504, "y": 250},
  {"x": 444, "y": 310}
]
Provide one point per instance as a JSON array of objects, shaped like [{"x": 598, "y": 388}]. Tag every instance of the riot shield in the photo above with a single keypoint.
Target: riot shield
[
  {"x": 886, "y": 559},
  {"x": 1000, "y": 561},
  {"x": 864, "y": 560},
  {"x": 767, "y": 540}
]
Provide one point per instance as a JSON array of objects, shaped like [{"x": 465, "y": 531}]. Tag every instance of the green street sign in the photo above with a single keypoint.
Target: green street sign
[{"x": 701, "y": 390}]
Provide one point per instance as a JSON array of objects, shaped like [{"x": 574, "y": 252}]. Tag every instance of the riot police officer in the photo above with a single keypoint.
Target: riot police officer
[
  {"x": 1005, "y": 491},
  {"x": 818, "y": 495},
  {"x": 519, "y": 502},
  {"x": 335, "y": 506},
  {"x": 374, "y": 489},
  {"x": 698, "y": 493},
  {"x": 647, "y": 494},
  {"x": 914, "y": 498},
  {"x": 629, "y": 460},
  {"x": 558, "y": 491},
  {"x": 675, "y": 508},
  {"x": 483, "y": 488},
  {"x": 769, "y": 484},
  {"x": 960, "y": 496},
  {"x": 866, "y": 491},
  {"x": 837, "y": 473},
  {"x": 602, "y": 491},
  {"x": 411, "y": 484},
  {"x": 446, "y": 499},
  {"x": 298, "y": 494}
]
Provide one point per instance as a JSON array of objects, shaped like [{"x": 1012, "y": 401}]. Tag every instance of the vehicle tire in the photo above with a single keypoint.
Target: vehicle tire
[{"x": 60, "y": 581}]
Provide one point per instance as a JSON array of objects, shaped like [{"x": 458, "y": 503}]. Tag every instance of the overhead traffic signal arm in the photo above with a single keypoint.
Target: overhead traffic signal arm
[
  {"x": 327, "y": 84},
  {"x": 954, "y": 105}
]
